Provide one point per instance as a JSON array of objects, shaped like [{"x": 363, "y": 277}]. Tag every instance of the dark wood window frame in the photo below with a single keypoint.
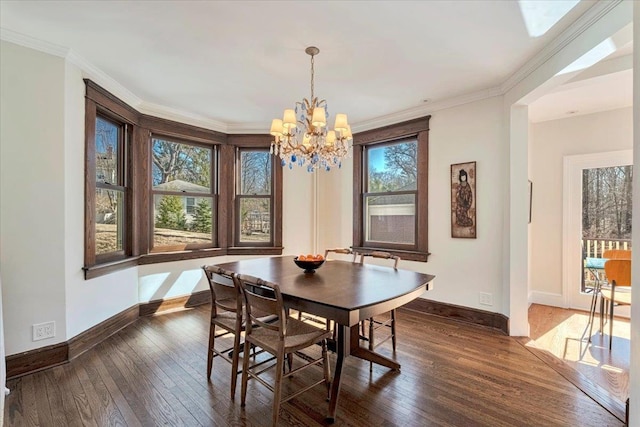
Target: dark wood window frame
[
  {"x": 229, "y": 158},
  {"x": 212, "y": 194},
  {"x": 417, "y": 129},
  {"x": 137, "y": 169}
]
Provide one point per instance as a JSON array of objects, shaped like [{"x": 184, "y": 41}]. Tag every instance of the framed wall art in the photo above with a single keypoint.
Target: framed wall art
[{"x": 463, "y": 200}]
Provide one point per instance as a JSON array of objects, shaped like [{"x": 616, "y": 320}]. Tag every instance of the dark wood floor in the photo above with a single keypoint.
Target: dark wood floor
[{"x": 153, "y": 373}]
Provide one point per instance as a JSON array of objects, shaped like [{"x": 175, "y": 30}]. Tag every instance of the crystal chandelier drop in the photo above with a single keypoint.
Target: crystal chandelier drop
[{"x": 302, "y": 137}]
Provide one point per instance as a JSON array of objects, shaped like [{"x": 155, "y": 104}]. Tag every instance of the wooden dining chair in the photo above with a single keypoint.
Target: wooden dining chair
[
  {"x": 226, "y": 314},
  {"x": 282, "y": 338},
  {"x": 388, "y": 322},
  {"x": 341, "y": 251},
  {"x": 602, "y": 283},
  {"x": 618, "y": 272}
]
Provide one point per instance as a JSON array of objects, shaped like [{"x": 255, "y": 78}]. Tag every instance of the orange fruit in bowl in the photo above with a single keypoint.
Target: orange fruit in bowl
[
  {"x": 319, "y": 257},
  {"x": 309, "y": 257},
  {"x": 302, "y": 258}
]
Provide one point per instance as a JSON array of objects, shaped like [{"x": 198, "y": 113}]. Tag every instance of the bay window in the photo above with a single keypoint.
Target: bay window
[{"x": 158, "y": 190}]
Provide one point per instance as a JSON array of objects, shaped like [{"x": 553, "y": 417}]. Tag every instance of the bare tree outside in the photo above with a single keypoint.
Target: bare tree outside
[
  {"x": 391, "y": 193},
  {"x": 175, "y": 161},
  {"x": 255, "y": 196},
  {"x": 109, "y": 198},
  {"x": 393, "y": 167},
  {"x": 182, "y": 172},
  {"x": 606, "y": 202}
]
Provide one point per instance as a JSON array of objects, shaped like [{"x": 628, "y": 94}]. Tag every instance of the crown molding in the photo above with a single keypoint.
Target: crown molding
[
  {"x": 589, "y": 18},
  {"x": 94, "y": 73},
  {"x": 88, "y": 69},
  {"x": 33, "y": 43},
  {"x": 426, "y": 109},
  {"x": 177, "y": 115},
  {"x": 250, "y": 128},
  {"x": 579, "y": 26}
]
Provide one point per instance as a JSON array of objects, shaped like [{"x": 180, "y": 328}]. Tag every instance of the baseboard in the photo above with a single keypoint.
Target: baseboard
[
  {"x": 464, "y": 314},
  {"x": 103, "y": 330},
  {"x": 41, "y": 358},
  {"x": 36, "y": 360},
  {"x": 176, "y": 303},
  {"x": 546, "y": 298}
]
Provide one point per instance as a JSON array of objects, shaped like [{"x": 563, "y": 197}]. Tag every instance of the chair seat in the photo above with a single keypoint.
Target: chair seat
[
  {"x": 299, "y": 335},
  {"x": 622, "y": 297},
  {"x": 227, "y": 320}
]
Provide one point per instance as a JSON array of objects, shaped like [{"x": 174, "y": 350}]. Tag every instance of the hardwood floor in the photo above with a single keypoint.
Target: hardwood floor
[
  {"x": 453, "y": 374},
  {"x": 562, "y": 332}
]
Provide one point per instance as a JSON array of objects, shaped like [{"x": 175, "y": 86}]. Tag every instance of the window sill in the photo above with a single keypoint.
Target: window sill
[
  {"x": 255, "y": 250},
  {"x": 109, "y": 267},
  {"x": 159, "y": 257},
  {"x": 403, "y": 254}
]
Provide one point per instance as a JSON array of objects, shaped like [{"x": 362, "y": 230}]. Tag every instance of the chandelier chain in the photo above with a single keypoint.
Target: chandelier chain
[{"x": 312, "y": 76}]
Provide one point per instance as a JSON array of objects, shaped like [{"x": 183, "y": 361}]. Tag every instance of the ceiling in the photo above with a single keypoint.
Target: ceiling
[{"x": 235, "y": 65}]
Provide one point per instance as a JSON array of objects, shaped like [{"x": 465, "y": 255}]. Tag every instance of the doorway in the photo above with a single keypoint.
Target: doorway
[{"x": 594, "y": 218}]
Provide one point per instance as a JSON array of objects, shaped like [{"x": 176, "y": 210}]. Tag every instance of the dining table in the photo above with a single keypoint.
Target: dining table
[{"x": 342, "y": 291}]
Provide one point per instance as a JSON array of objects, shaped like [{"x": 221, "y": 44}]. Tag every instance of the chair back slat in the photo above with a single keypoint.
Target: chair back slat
[
  {"x": 263, "y": 299},
  {"x": 617, "y": 254},
  {"x": 342, "y": 251},
  {"x": 618, "y": 270},
  {"x": 381, "y": 255},
  {"x": 225, "y": 291}
]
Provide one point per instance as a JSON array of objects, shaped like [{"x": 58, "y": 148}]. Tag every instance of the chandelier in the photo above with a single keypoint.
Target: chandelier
[{"x": 302, "y": 137}]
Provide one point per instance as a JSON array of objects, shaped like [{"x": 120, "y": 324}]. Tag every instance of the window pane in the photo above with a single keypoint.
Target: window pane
[
  {"x": 255, "y": 172},
  {"x": 392, "y": 167},
  {"x": 390, "y": 219},
  {"x": 109, "y": 220},
  {"x": 174, "y": 225},
  {"x": 107, "y": 137},
  {"x": 180, "y": 167},
  {"x": 255, "y": 220}
]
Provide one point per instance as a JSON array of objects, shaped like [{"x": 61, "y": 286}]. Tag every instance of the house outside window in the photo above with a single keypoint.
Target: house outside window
[
  {"x": 157, "y": 190},
  {"x": 390, "y": 193},
  {"x": 254, "y": 197},
  {"x": 390, "y": 190},
  {"x": 182, "y": 195}
]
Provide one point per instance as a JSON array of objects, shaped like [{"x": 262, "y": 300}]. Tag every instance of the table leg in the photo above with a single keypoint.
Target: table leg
[
  {"x": 366, "y": 354},
  {"x": 342, "y": 351}
]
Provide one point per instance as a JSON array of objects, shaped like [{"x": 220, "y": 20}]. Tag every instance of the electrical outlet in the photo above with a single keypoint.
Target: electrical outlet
[
  {"x": 486, "y": 298},
  {"x": 43, "y": 331}
]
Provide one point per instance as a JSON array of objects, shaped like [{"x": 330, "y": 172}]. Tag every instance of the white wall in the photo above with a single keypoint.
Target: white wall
[
  {"x": 634, "y": 371},
  {"x": 297, "y": 211},
  {"x": 32, "y": 191},
  {"x": 463, "y": 267},
  {"x": 335, "y": 207},
  {"x": 551, "y": 141},
  {"x": 42, "y": 154},
  {"x": 88, "y": 302}
]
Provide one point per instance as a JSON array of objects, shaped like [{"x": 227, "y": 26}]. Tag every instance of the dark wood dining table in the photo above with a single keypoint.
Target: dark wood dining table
[{"x": 344, "y": 292}]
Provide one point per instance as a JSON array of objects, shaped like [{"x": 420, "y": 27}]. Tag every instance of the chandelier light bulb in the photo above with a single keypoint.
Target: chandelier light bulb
[
  {"x": 276, "y": 127},
  {"x": 289, "y": 119},
  {"x": 341, "y": 122},
  {"x": 319, "y": 118}
]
